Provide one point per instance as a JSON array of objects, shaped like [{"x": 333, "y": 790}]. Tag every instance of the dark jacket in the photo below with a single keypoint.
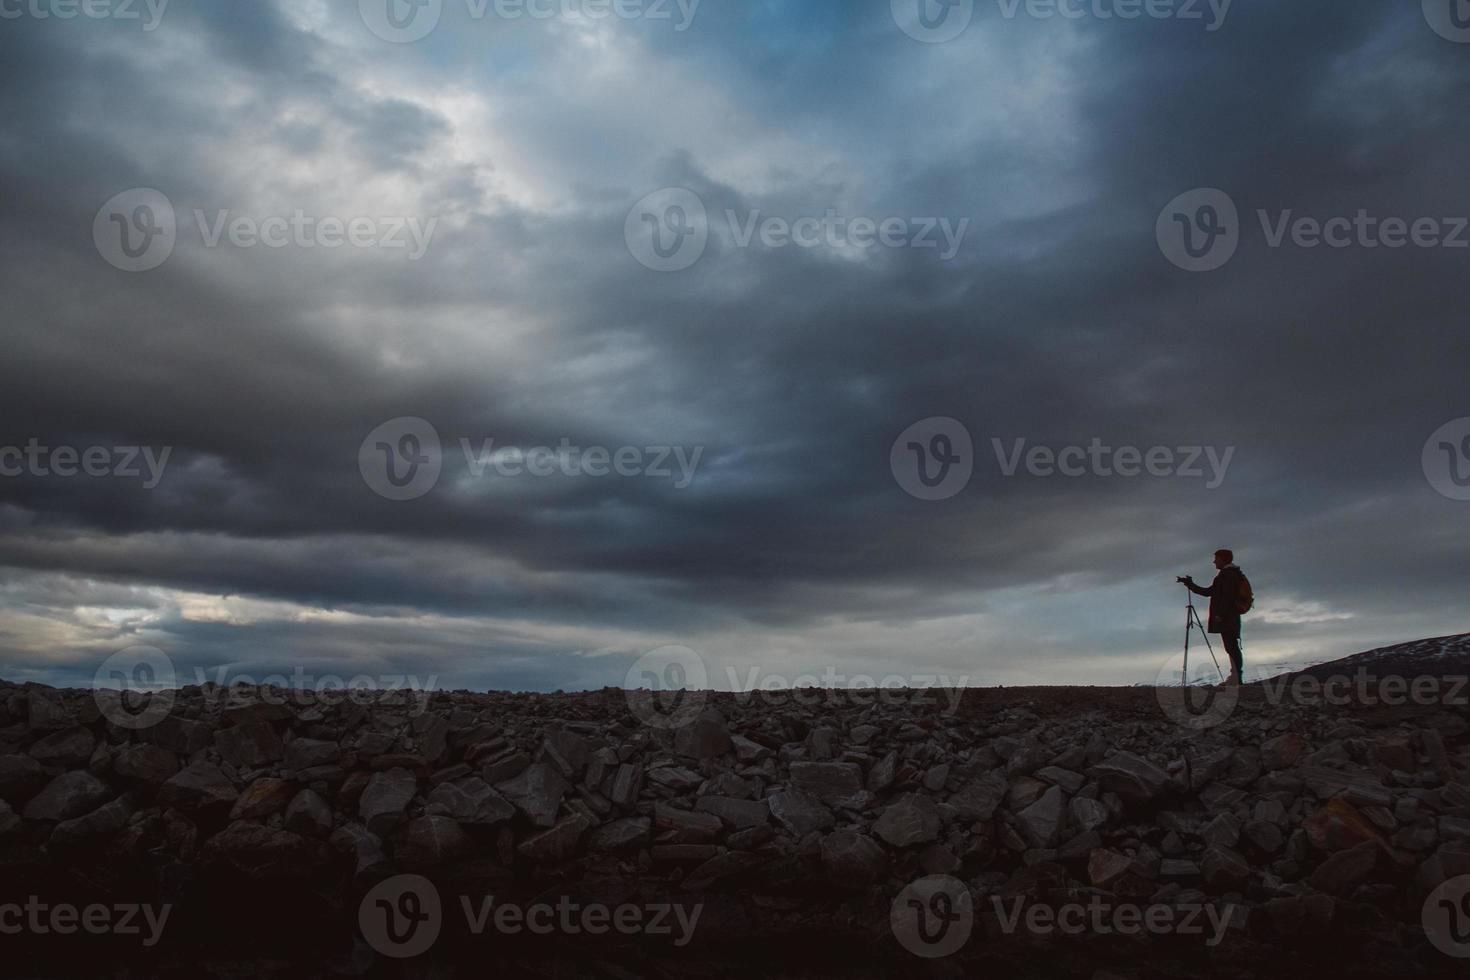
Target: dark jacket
[{"x": 1224, "y": 595}]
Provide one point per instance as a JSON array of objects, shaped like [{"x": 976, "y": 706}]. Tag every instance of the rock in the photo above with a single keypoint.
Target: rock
[
  {"x": 827, "y": 781},
  {"x": 1105, "y": 867},
  {"x": 1134, "y": 778},
  {"x": 881, "y": 776},
  {"x": 913, "y": 819},
  {"x": 978, "y": 799},
  {"x": 626, "y": 783},
  {"x": 1087, "y": 814},
  {"x": 68, "y": 796},
  {"x": 105, "y": 821},
  {"x": 148, "y": 764},
  {"x": 263, "y": 797},
  {"x": 1041, "y": 822},
  {"x": 45, "y": 713},
  {"x": 67, "y": 748},
  {"x": 248, "y": 746},
  {"x": 364, "y": 846},
  {"x": 557, "y": 845},
  {"x": 1282, "y": 751},
  {"x": 385, "y": 800},
  {"x": 537, "y": 793},
  {"x": 1345, "y": 870},
  {"x": 309, "y": 814},
  {"x": 20, "y": 777},
  {"x": 748, "y": 751},
  {"x": 1265, "y": 835},
  {"x": 506, "y": 767},
  {"x": 676, "y": 778},
  {"x": 706, "y": 737},
  {"x": 1068, "y": 780},
  {"x": 263, "y": 853},
  {"x": 1337, "y": 826},
  {"x": 200, "y": 786},
  {"x": 720, "y": 869},
  {"x": 621, "y": 835},
  {"x": 182, "y": 735},
  {"x": 429, "y": 842},
  {"x": 471, "y": 801},
  {"x": 678, "y": 826},
  {"x": 800, "y": 813},
  {"x": 1223, "y": 868},
  {"x": 738, "y": 814},
  {"x": 853, "y": 859},
  {"x": 10, "y": 821},
  {"x": 306, "y": 753},
  {"x": 1224, "y": 830}
]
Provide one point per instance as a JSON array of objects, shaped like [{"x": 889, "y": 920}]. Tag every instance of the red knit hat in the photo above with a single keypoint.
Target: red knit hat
[{"x": 1229, "y": 555}]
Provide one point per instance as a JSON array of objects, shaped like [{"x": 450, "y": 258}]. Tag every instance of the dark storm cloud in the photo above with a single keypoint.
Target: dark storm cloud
[{"x": 793, "y": 370}]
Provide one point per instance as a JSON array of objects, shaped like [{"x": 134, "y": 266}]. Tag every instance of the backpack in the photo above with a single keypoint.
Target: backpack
[{"x": 1245, "y": 597}]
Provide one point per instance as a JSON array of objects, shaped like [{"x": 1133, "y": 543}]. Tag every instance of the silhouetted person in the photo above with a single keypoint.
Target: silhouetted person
[{"x": 1230, "y": 596}]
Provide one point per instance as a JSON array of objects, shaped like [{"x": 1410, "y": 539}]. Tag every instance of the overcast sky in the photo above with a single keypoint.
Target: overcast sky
[{"x": 1000, "y": 245}]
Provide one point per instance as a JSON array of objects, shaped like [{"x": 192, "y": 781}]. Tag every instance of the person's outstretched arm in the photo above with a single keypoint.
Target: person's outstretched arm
[{"x": 1204, "y": 590}]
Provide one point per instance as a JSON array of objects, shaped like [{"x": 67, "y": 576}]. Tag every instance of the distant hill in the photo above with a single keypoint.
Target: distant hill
[{"x": 1440, "y": 656}]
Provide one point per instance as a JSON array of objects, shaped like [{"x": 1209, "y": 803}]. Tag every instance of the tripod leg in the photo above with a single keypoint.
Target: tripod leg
[{"x": 1209, "y": 646}]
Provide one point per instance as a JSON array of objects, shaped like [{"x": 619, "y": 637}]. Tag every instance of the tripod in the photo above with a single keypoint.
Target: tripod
[{"x": 1191, "y": 622}]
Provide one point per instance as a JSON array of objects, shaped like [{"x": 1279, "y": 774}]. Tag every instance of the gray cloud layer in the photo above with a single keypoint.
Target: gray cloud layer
[{"x": 794, "y": 369}]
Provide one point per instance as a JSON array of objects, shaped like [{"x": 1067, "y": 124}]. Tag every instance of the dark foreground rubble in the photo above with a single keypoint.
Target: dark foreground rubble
[{"x": 777, "y": 837}]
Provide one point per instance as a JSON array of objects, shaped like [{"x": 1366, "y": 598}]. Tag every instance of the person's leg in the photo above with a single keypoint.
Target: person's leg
[{"x": 1232, "y": 647}]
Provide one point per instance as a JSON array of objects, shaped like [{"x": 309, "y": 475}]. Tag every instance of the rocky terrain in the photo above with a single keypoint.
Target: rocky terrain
[{"x": 263, "y": 818}]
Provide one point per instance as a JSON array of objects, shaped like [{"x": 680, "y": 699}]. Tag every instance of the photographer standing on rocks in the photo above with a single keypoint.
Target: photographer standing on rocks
[{"x": 1230, "y": 597}]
